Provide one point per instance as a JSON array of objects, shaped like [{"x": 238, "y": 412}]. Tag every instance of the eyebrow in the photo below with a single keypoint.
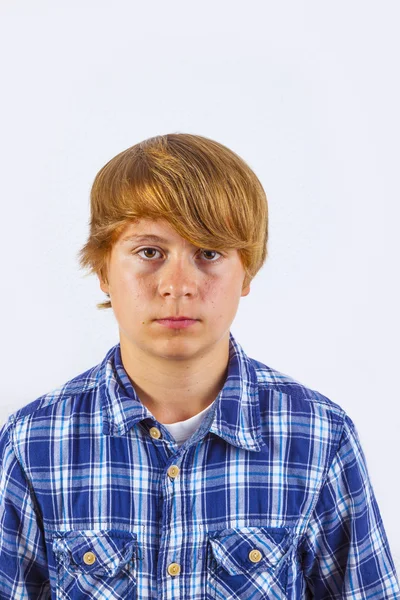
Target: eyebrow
[
  {"x": 144, "y": 237},
  {"x": 148, "y": 237}
]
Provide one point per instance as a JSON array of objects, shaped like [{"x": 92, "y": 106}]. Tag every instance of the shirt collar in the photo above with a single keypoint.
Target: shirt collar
[{"x": 236, "y": 412}]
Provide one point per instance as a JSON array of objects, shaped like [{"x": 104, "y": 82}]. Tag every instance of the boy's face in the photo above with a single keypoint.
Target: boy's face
[{"x": 153, "y": 279}]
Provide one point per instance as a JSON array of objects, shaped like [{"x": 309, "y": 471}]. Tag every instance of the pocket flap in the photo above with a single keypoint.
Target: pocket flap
[
  {"x": 231, "y": 548},
  {"x": 98, "y": 552}
]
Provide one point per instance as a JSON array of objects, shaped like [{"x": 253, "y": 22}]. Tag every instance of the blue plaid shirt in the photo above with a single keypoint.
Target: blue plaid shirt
[{"x": 269, "y": 499}]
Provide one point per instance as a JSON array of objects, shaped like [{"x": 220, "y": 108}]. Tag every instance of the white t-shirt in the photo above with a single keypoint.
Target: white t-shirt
[{"x": 182, "y": 430}]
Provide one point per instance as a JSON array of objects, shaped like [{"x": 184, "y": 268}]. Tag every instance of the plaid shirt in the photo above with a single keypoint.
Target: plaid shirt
[{"x": 269, "y": 499}]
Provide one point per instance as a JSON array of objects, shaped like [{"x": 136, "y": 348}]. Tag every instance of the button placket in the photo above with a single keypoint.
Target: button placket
[{"x": 173, "y": 471}]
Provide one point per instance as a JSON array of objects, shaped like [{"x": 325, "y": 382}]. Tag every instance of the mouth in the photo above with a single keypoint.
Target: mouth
[
  {"x": 177, "y": 322},
  {"x": 183, "y": 318}
]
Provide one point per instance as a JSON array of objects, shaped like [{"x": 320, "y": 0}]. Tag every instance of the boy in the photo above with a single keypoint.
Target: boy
[{"x": 180, "y": 468}]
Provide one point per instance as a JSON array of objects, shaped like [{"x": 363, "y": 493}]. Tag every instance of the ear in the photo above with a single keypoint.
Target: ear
[
  {"x": 246, "y": 290},
  {"x": 103, "y": 284}
]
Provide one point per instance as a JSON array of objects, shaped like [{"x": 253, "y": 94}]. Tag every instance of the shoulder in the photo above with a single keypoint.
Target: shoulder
[
  {"x": 270, "y": 379},
  {"x": 298, "y": 410},
  {"x": 61, "y": 398}
]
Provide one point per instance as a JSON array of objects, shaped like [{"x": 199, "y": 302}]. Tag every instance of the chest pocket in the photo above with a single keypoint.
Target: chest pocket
[
  {"x": 97, "y": 564},
  {"x": 249, "y": 562}
]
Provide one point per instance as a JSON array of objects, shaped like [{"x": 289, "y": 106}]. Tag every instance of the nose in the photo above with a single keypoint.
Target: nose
[{"x": 178, "y": 277}]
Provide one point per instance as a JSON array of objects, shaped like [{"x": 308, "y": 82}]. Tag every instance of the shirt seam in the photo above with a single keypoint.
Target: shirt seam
[
  {"x": 20, "y": 462},
  {"x": 329, "y": 462},
  {"x": 337, "y": 410}
]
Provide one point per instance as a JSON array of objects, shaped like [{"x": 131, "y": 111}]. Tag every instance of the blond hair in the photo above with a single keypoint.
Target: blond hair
[{"x": 205, "y": 191}]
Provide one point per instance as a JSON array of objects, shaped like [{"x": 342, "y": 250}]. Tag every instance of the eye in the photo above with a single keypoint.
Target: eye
[
  {"x": 152, "y": 250},
  {"x": 213, "y": 252},
  {"x": 145, "y": 250}
]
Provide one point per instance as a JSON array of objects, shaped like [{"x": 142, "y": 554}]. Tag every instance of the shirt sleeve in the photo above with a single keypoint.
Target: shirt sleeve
[
  {"x": 23, "y": 560},
  {"x": 346, "y": 551}
]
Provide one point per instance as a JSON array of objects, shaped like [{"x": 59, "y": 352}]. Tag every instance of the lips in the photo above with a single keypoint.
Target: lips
[
  {"x": 177, "y": 319},
  {"x": 177, "y": 322}
]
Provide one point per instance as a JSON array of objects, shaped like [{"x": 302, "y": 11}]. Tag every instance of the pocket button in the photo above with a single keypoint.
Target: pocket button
[
  {"x": 89, "y": 558},
  {"x": 255, "y": 556}
]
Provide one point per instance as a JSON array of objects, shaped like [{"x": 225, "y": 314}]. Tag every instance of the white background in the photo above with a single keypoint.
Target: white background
[{"x": 306, "y": 92}]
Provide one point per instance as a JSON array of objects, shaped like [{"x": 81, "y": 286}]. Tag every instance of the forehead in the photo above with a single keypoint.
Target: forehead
[{"x": 150, "y": 230}]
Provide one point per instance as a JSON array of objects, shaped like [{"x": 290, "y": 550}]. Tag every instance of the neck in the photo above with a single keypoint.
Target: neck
[{"x": 175, "y": 390}]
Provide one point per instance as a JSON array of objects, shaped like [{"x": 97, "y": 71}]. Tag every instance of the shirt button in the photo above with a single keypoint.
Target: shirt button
[
  {"x": 255, "y": 556},
  {"x": 173, "y": 471},
  {"x": 155, "y": 433},
  {"x": 174, "y": 569},
  {"x": 89, "y": 558}
]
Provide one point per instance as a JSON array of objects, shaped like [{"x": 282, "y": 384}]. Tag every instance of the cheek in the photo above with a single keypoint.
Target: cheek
[
  {"x": 227, "y": 286},
  {"x": 129, "y": 293},
  {"x": 132, "y": 283},
  {"x": 212, "y": 290},
  {"x": 220, "y": 295}
]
